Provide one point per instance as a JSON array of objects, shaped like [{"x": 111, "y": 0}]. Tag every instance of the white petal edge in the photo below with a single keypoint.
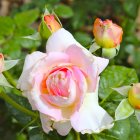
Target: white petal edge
[
  {"x": 30, "y": 60},
  {"x": 46, "y": 123},
  {"x": 63, "y": 128},
  {"x": 60, "y": 41}
]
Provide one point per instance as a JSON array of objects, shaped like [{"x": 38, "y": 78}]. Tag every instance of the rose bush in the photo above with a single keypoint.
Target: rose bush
[{"x": 62, "y": 84}]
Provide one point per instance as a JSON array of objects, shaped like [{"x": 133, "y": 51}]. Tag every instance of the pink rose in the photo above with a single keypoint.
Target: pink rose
[{"x": 62, "y": 85}]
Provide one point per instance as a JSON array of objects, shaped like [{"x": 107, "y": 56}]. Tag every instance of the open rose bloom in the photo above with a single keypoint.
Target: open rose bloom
[{"x": 62, "y": 84}]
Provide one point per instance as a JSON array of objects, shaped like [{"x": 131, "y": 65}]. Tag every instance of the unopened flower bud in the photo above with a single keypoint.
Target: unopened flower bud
[
  {"x": 52, "y": 23},
  {"x": 134, "y": 96},
  {"x": 107, "y": 34}
]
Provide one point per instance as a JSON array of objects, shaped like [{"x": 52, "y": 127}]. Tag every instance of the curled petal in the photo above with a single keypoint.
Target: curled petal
[
  {"x": 91, "y": 118},
  {"x": 30, "y": 61},
  {"x": 60, "y": 41},
  {"x": 63, "y": 128},
  {"x": 101, "y": 63},
  {"x": 46, "y": 123}
]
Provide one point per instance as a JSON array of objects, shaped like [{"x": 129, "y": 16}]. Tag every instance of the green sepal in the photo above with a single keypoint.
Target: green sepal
[
  {"x": 124, "y": 110},
  {"x": 4, "y": 82},
  {"x": 137, "y": 113},
  {"x": 8, "y": 64},
  {"x": 123, "y": 90},
  {"x": 35, "y": 36},
  {"x": 94, "y": 47},
  {"x": 110, "y": 52},
  {"x": 44, "y": 31}
]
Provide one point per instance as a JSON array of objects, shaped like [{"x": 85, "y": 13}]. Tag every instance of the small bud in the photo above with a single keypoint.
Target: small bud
[
  {"x": 134, "y": 96},
  {"x": 52, "y": 23},
  {"x": 107, "y": 34},
  {"x": 1, "y": 62}
]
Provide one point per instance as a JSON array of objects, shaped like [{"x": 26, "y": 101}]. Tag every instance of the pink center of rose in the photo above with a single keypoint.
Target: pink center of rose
[{"x": 58, "y": 82}]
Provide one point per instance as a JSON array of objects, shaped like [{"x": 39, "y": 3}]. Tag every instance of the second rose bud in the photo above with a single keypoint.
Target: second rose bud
[
  {"x": 108, "y": 37},
  {"x": 50, "y": 24}
]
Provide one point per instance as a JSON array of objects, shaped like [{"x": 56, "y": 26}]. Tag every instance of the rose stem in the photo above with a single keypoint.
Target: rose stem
[{"x": 16, "y": 105}]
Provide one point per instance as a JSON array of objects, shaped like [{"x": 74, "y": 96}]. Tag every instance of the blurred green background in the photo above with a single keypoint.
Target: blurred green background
[{"x": 20, "y": 18}]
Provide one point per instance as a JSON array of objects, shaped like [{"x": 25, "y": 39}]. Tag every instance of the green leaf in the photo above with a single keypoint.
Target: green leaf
[
  {"x": 115, "y": 76},
  {"x": 134, "y": 129},
  {"x": 8, "y": 64},
  {"x": 83, "y": 38},
  {"x": 36, "y": 134},
  {"x": 27, "y": 17},
  {"x": 124, "y": 110},
  {"x": 6, "y": 26},
  {"x": 4, "y": 82},
  {"x": 121, "y": 130},
  {"x": 130, "y": 7},
  {"x": 63, "y": 11},
  {"x": 21, "y": 137}
]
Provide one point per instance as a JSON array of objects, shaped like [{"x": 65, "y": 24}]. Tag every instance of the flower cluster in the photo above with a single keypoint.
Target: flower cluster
[
  {"x": 62, "y": 84},
  {"x": 63, "y": 89}
]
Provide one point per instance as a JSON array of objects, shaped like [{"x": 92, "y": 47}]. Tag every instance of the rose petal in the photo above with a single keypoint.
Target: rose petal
[
  {"x": 63, "y": 128},
  {"x": 38, "y": 102},
  {"x": 60, "y": 40},
  {"x": 91, "y": 118},
  {"x": 46, "y": 123},
  {"x": 101, "y": 63},
  {"x": 30, "y": 60}
]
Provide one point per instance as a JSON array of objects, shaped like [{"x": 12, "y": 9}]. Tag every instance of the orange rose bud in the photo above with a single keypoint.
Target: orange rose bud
[
  {"x": 107, "y": 34},
  {"x": 52, "y": 23},
  {"x": 134, "y": 96},
  {"x": 1, "y": 62}
]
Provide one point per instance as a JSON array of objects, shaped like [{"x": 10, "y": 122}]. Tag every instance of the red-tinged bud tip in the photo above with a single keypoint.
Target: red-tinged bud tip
[
  {"x": 1, "y": 62},
  {"x": 107, "y": 34},
  {"x": 52, "y": 23}
]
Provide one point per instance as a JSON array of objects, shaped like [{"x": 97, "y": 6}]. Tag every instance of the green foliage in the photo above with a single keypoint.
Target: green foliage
[
  {"x": 63, "y": 11},
  {"x": 27, "y": 17},
  {"x": 18, "y": 115},
  {"x": 113, "y": 77}
]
